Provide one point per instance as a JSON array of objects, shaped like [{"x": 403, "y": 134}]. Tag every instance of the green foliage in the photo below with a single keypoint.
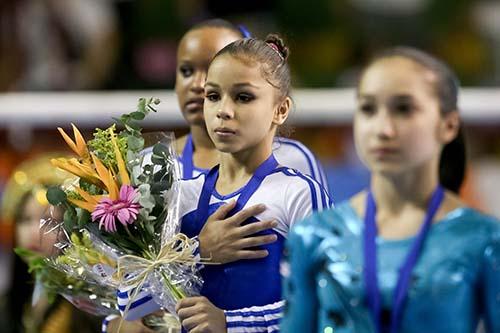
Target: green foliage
[
  {"x": 81, "y": 253},
  {"x": 54, "y": 280},
  {"x": 130, "y": 122},
  {"x": 89, "y": 188},
  {"x": 70, "y": 218},
  {"x": 152, "y": 181},
  {"x": 103, "y": 147},
  {"x": 56, "y": 196}
]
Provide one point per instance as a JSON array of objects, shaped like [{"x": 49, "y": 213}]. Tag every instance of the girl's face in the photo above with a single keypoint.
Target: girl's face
[
  {"x": 28, "y": 228},
  {"x": 241, "y": 108},
  {"x": 398, "y": 125},
  {"x": 195, "y": 52}
]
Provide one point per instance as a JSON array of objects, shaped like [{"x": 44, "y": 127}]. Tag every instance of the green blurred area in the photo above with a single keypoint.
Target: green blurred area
[{"x": 329, "y": 40}]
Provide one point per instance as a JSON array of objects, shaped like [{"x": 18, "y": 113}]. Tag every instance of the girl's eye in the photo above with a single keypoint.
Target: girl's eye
[
  {"x": 403, "y": 108},
  {"x": 245, "y": 97},
  {"x": 186, "y": 71},
  {"x": 367, "y": 108},
  {"x": 212, "y": 96}
]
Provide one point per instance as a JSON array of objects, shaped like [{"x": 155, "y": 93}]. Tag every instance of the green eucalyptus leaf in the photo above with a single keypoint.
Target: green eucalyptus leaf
[
  {"x": 159, "y": 187},
  {"x": 135, "y": 143},
  {"x": 70, "y": 218},
  {"x": 158, "y": 160},
  {"x": 84, "y": 218},
  {"x": 160, "y": 150},
  {"x": 56, "y": 196},
  {"x": 141, "y": 106},
  {"x": 137, "y": 115},
  {"x": 132, "y": 127}
]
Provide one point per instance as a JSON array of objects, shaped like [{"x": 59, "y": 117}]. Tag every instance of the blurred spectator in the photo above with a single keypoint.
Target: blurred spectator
[
  {"x": 23, "y": 308},
  {"x": 56, "y": 44}
]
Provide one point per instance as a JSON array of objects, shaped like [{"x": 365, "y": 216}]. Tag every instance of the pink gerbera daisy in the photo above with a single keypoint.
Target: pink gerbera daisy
[{"x": 126, "y": 209}]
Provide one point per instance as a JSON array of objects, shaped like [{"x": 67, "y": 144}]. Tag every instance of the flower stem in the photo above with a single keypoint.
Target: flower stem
[{"x": 177, "y": 293}]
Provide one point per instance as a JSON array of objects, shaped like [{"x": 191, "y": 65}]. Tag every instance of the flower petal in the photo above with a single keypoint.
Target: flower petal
[
  {"x": 122, "y": 168},
  {"x": 123, "y": 216}
]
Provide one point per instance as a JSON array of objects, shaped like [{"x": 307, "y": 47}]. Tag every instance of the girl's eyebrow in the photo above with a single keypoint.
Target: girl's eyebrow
[
  {"x": 215, "y": 85},
  {"x": 245, "y": 84},
  {"x": 238, "y": 85},
  {"x": 402, "y": 97},
  {"x": 366, "y": 96}
]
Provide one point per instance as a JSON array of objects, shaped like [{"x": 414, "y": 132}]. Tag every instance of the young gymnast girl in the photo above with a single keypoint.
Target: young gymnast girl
[
  {"x": 407, "y": 255},
  {"x": 196, "y": 150},
  {"x": 246, "y": 100}
]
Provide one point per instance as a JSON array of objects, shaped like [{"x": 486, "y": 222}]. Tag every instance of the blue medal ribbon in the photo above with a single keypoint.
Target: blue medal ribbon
[
  {"x": 187, "y": 158},
  {"x": 404, "y": 277},
  {"x": 265, "y": 169}
]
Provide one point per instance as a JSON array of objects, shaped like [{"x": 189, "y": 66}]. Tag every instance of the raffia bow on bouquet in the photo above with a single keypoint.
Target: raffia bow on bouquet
[
  {"x": 125, "y": 205},
  {"x": 174, "y": 257}
]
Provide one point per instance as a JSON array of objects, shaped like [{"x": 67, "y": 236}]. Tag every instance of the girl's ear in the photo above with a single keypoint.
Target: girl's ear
[
  {"x": 450, "y": 125},
  {"x": 281, "y": 113}
]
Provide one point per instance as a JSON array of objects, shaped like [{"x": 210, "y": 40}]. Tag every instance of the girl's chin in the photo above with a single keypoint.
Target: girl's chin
[{"x": 227, "y": 147}]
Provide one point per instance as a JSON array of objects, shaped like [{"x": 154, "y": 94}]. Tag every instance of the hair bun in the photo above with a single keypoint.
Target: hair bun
[{"x": 277, "y": 41}]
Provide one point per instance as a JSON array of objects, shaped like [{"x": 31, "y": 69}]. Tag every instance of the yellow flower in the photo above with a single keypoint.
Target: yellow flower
[
  {"x": 78, "y": 146},
  {"x": 122, "y": 169},
  {"x": 89, "y": 201},
  {"x": 106, "y": 176},
  {"x": 91, "y": 169},
  {"x": 79, "y": 169}
]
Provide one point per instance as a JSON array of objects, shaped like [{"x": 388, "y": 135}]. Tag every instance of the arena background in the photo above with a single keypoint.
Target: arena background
[{"x": 84, "y": 61}]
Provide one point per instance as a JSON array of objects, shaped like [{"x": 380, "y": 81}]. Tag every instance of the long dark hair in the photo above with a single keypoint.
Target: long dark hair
[{"x": 453, "y": 158}]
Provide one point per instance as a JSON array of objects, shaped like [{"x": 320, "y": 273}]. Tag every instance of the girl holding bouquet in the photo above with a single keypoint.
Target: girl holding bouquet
[
  {"x": 196, "y": 150},
  {"x": 246, "y": 100},
  {"x": 407, "y": 255}
]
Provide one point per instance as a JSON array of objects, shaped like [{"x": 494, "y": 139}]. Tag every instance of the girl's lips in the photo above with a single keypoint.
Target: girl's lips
[
  {"x": 224, "y": 132},
  {"x": 384, "y": 152},
  {"x": 194, "y": 104}
]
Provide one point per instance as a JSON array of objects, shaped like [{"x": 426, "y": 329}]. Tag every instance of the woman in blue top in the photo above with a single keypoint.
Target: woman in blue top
[
  {"x": 406, "y": 255},
  {"x": 246, "y": 100}
]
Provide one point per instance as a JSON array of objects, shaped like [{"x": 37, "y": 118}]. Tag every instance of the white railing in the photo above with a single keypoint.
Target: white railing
[{"x": 312, "y": 107}]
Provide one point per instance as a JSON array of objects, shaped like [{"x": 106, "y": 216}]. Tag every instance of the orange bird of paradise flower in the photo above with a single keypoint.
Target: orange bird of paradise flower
[{"x": 92, "y": 170}]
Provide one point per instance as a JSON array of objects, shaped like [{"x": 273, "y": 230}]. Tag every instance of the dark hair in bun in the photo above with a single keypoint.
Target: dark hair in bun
[{"x": 271, "y": 53}]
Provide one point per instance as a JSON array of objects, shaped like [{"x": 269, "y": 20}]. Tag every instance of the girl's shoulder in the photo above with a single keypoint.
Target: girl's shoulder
[
  {"x": 292, "y": 184},
  {"x": 293, "y": 177},
  {"x": 296, "y": 155}
]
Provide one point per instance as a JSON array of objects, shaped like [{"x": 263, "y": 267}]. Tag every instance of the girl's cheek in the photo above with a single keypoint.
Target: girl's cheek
[{"x": 25, "y": 236}]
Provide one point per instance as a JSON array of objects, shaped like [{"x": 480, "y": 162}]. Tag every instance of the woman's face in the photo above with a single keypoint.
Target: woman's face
[
  {"x": 195, "y": 52},
  {"x": 241, "y": 107},
  {"x": 398, "y": 125},
  {"x": 28, "y": 233}
]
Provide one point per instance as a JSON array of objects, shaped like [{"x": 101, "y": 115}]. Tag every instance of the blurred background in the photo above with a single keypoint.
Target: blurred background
[{"x": 84, "y": 61}]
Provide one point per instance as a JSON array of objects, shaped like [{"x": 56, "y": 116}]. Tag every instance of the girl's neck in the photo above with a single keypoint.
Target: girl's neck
[
  {"x": 413, "y": 188},
  {"x": 237, "y": 168}
]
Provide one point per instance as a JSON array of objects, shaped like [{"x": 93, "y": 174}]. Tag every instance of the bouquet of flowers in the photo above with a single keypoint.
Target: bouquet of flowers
[
  {"x": 120, "y": 225},
  {"x": 86, "y": 294}
]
